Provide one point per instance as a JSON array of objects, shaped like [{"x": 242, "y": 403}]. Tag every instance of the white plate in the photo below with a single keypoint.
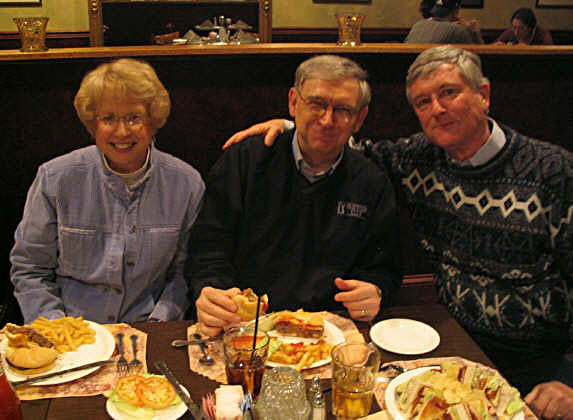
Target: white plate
[
  {"x": 404, "y": 336},
  {"x": 172, "y": 412},
  {"x": 332, "y": 335},
  {"x": 390, "y": 394},
  {"x": 101, "y": 349}
]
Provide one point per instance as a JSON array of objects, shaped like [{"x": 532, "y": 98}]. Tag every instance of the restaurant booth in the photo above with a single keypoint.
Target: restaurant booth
[{"x": 218, "y": 90}]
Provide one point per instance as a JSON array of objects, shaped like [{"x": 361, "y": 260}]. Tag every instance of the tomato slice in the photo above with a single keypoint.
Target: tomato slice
[
  {"x": 126, "y": 389},
  {"x": 155, "y": 392}
]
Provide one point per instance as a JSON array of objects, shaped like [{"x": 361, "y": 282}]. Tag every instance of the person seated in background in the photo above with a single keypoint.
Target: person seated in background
[
  {"x": 493, "y": 209},
  {"x": 445, "y": 26},
  {"x": 309, "y": 222},
  {"x": 105, "y": 228},
  {"x": 524, "y": 30},
  {"x": 426, "y": 8}
]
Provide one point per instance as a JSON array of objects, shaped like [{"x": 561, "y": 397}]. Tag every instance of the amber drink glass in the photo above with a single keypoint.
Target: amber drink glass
[
  {"x": 32, "y": 33},
  {"x": 243, "y": 364},
  {"x": 354, "y": 370}
]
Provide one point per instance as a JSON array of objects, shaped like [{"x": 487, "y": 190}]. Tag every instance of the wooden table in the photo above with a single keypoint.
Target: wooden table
[{"x": 454, "y": 342}]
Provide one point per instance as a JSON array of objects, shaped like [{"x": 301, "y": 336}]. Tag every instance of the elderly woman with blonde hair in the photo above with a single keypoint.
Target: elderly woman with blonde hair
[{"x": 105, "y": 228}]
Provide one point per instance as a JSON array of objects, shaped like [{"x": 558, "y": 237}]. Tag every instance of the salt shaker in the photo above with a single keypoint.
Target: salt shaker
[
  {"x": 313, "y": 388},
  {"x": 318, "y": 406}
]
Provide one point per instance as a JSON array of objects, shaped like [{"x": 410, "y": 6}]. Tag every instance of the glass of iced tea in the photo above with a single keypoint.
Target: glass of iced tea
[
  {"x": 243, "y": 364},
  {"x": 354, "y": 370}
]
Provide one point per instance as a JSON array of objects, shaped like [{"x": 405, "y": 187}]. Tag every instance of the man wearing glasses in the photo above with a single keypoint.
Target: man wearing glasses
[{"x": 308, "y": 221}]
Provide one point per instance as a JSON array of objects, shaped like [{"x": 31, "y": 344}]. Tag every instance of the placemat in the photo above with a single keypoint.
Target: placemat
[
  {"x": 379, "y": 391},
  {"x": 97, "y": 382},
  {"x": 216, "y": 371}
]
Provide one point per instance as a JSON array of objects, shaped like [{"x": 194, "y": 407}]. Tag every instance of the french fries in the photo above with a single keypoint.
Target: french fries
[
  {"x": 301, "y": 355},
  {"x": 66, "y": 333}
]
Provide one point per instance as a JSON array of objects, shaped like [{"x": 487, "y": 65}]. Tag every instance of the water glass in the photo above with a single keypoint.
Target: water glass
[
  {"x": 283, "y": 396},
  {"x": 354, "y": 370}
]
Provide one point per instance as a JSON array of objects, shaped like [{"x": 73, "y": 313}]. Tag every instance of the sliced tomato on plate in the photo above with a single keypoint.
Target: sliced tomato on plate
[
  {"x": 155, "y": 392},
  {"x": 126, "y": 388}
]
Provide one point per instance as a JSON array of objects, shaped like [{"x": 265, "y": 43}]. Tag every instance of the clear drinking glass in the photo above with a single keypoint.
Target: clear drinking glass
[
  {"x": 354, "y": 370},
  {"x": 283, "y": 396},
  {"x": 243, "y": 364}
]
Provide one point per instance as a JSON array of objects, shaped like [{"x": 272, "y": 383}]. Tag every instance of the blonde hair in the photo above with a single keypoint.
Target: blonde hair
[{"x": 123, "y": 79}]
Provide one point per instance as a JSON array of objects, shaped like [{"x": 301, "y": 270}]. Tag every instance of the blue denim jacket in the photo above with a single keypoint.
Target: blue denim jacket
[{"x": 90, "y": 246}]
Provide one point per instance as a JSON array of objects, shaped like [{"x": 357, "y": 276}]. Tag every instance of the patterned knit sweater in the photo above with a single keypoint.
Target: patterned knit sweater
[{"x": 500, "y": 235}]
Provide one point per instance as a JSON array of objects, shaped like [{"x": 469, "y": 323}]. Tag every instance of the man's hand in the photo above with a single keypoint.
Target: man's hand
[
  {"x": 271, "y": 129},
  {"x": 361, "y": 298},
  {"x": 551, "y": 400},
  {"x": 215, "y": 309}
]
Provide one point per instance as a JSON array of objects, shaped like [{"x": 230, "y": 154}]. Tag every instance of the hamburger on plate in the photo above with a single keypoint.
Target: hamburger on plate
[{"x": 28, "y": 352}]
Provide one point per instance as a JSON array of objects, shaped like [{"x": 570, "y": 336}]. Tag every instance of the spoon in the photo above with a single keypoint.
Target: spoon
[
  {"x": 206, "y": 359},
  {"x": 185, "y": 343}
]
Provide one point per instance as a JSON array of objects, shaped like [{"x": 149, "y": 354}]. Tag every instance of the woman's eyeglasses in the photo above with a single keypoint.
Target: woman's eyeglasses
[{"x": 131, "y": 121}]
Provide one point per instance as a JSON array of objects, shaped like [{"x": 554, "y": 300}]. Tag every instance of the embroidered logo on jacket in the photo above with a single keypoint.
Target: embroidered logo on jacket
[{"x": 346, "y": 208}]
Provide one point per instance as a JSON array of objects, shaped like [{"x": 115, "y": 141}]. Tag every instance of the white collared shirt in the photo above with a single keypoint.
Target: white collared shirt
[
  {"x": 491, "y": 147},
  {"x": 305, "y": 169}
]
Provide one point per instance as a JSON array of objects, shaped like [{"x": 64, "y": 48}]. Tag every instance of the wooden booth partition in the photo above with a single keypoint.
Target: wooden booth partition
[{"x": 217, "y": 91}]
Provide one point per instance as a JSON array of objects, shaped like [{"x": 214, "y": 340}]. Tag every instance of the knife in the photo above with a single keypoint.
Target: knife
[
  {"x": 61, "y": 372},
  {"x": 191, "y": 406}
]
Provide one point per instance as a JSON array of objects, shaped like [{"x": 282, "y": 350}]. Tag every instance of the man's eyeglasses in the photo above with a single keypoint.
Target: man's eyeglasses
[
  {"x": 318, "y": 107},
  {"x": 131, "y": 121}
]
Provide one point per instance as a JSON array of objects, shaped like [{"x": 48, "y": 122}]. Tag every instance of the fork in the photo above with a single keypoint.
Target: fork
[
  {"x": 121, "y": 365},
  {"x": 135, "y": 364}
]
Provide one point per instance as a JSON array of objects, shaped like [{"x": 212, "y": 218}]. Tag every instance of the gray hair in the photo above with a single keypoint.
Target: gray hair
[
  {"x": 125, "y": 79},
  {"x": 467, "y": 63},
  {"x": 332, "y": 67}
]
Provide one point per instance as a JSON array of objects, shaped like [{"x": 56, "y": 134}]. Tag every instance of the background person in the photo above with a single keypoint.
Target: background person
[
  {"x": 105, "y": 228},
  {"x": 493, "y": 209},
  {"x": 426, "y": 8},
  {"x": 308, "y": 221},
  {"x": 445, "y": 26},
  {"x": 524, "y": 30}
]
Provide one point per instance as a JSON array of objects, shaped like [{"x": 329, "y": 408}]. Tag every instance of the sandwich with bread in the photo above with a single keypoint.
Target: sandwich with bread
[
  {"x": 246, "y": 302},
  {"x": 456, "y": 391},
  {"x": 299, "y": 324},
  {"x": 28, "y": 352}
]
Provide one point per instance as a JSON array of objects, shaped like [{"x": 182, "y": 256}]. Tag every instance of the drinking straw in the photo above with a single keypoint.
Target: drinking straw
[{"x": 256, "y": 325}]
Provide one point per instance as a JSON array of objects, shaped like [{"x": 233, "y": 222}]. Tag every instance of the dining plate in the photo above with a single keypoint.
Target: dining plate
[
  {"x": 101, "y": 349},
  {"x": 390, "y": 394},
  {"x": 332, "y": 335},
  {"x": 172, "y": 412},
  {"x": 404, "y": 336}
]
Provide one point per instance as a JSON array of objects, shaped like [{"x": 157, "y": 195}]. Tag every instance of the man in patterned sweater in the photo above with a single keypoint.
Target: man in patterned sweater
[{"x": 494, "y": 211}]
